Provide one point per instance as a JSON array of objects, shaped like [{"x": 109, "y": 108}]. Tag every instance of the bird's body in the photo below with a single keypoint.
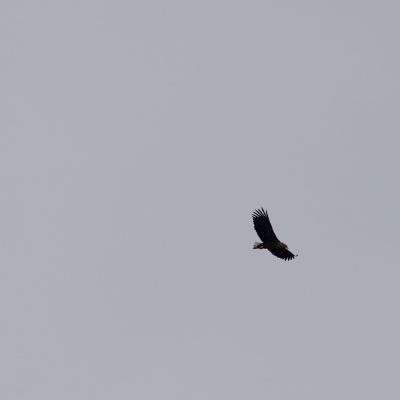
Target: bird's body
[{"x": 263, "y": 227}]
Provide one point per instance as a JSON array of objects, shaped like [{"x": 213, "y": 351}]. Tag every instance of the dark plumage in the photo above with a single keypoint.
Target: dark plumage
[{"x": 263, "y": 227}]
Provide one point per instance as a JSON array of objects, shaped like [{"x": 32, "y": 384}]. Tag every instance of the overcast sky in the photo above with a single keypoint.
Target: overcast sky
[{"x": 137, "y": 137}]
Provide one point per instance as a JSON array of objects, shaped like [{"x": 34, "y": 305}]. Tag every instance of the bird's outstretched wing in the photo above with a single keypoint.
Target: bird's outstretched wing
[
  {"x": 283, "y": 253},
  {"x": 263, "y": 227}
]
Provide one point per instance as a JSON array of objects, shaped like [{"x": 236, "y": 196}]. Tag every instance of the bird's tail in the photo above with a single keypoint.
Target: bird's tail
[{"x": 258, "y": 245}]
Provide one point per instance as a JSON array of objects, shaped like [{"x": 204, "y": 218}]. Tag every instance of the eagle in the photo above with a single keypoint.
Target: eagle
[{"x": 264, "y": 230}]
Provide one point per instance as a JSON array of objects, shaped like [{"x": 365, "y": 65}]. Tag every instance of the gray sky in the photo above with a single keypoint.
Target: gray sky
[{"x": 136, "y": 139}]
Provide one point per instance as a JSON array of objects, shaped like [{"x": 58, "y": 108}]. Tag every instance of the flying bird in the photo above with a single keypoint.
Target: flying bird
[{"x": 264, "y": 230}]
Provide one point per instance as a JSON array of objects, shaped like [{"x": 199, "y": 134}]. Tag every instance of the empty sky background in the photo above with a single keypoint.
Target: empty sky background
[{"x": 137, "y": 137}]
